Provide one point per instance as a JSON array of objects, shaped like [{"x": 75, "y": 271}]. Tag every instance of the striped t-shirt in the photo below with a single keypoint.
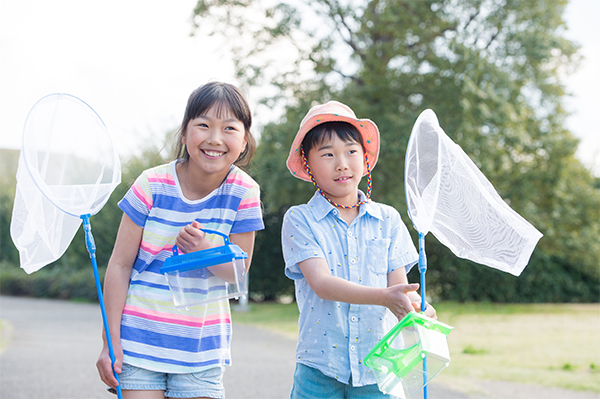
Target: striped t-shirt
[{"x": 154, "y": 334}]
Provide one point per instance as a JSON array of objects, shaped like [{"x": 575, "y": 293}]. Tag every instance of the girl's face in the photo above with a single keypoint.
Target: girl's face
[
  {"x": 214, "y": 141},
  {"x": 337, "y": 166}
]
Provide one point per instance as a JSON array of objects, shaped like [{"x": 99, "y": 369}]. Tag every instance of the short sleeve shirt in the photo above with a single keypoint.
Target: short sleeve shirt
[
  {"x": 335, "y": 337},
  {"x": 154, "y": 334}
]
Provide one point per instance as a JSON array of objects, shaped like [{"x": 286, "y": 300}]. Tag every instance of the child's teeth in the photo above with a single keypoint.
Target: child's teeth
[{"x": 212, "y": 153}]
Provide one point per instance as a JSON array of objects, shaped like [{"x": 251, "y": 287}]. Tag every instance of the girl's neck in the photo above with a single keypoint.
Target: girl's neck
[{"x": 194, "y": 184}]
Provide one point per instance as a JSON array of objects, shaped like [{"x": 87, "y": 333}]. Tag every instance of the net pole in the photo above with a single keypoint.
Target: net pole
[
  {"x": 423, "y": 270},
  {"x": 91, "y": 248}
]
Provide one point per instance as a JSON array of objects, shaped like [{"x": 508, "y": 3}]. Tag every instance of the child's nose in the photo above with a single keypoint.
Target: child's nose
[
  {"x": 342, "y": 165},
  {"x": 214, "y": 136}
]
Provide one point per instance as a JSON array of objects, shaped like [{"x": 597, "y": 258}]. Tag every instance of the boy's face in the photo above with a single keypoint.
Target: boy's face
[{"x": 337, "y": 166}]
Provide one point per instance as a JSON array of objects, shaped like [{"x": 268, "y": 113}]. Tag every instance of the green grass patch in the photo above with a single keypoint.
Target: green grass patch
[
  {"x": 472, "y": 350},
  {"x": 5, "y": 333},
  {"x": 521, "y": 341},
  {"x": 282, "y": 318}
]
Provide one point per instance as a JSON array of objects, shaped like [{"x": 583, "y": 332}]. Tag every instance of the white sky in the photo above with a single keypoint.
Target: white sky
[{"x": 135, "y": 63}]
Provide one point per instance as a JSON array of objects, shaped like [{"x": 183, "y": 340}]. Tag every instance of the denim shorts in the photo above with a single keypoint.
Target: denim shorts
[
  {"x": 208, "y": 383},
  {"x": 310, "y": 383}
]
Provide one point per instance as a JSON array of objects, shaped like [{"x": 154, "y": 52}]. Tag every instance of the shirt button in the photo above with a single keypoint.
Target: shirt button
[
  {"x": 353, "y": 318},
  {"x": 349, "y": 233},
  {"x": 352, "y": 348},
  {"x": 352, "y": 261}
]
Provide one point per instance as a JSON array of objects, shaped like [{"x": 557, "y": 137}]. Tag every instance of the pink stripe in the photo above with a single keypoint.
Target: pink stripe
[
  {"x": 154, "y": 250},
  {"x": 249, "y": 203},
  {"x": 238, "y": 180},
  {"x": 140, "y": 194},
  {"x": 164, "y": 178},
  {"x": 176, "y": 319}
]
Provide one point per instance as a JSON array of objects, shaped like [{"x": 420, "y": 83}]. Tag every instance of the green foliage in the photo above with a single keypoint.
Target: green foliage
[
  {"x": 490, "y": 69},
  {"x": 267, "y": 280},
  {"x": 8, "y": 170},
  {"x": 61, "y": 281}
]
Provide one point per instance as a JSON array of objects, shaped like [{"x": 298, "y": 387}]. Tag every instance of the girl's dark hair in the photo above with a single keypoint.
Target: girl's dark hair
[
  {"x": 325, "y": 131},
  {"x": 224, "y": 97}
]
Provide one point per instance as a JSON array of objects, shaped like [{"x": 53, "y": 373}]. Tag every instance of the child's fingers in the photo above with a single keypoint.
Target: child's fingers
[
  {"x": 197, "y": 225},
  {"x": 104, "y": 366},
  {"x": 410, "y": 287},
  {"x": 417, "y": 307}
]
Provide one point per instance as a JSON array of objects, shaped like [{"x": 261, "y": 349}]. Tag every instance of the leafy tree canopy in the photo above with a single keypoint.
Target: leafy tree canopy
[{"x": 491, "y": 70}]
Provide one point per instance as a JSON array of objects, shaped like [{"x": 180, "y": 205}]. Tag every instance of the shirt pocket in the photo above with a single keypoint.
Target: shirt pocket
[{"x": 377, "y": 255}]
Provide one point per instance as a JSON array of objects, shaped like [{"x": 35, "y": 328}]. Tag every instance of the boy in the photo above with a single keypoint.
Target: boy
[{"x": 347, "y": 254}]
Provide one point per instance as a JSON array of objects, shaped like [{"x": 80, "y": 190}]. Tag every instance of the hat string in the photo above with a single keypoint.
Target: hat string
[{"x": 312, "y": 178}]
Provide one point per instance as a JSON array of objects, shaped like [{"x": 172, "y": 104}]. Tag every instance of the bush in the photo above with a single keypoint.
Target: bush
[
  {"x": 267, "y": 276},
  {"x": 53, "y": 281}
]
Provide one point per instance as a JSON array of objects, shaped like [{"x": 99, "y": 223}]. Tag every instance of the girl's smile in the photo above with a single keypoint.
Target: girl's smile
[
  {"x": 213, "y": 154},
  {"x": 214, "y": 141}
]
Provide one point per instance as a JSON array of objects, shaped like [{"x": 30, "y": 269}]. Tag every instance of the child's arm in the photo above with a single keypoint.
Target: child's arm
[
  {"x": 398, "y": 277},
  {"x": 116, "y": 284},
  {"x": 328, "y": 287}
]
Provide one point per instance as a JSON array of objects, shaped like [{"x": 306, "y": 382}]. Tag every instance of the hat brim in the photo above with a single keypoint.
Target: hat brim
[{"x": 366, "y": 127}]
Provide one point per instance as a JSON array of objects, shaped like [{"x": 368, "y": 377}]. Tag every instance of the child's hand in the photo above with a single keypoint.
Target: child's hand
[
  {"x": 104, "y": 364},
  {"x": 191, "y": 238},
  {"x": 429, "y": 310},
  {"x": 397, "y": 299}
]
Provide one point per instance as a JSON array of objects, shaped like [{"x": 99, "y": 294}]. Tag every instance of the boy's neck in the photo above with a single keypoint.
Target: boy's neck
[{"x": 348, "y": 214}]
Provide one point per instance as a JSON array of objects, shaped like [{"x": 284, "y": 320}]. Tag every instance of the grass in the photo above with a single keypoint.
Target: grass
[
  {"x": 554, "y": 345},
  {"x": 281, "y": 318},
  {"x": 5, "y": 332}
]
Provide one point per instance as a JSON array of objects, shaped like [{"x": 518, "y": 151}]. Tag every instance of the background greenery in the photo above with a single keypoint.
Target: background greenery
[{"x": 491, "y": 70}]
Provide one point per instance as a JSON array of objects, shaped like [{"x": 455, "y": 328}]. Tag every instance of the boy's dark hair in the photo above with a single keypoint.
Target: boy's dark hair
[
  {"x": 325, "y": 131},
  {"x": 224, "y": 97}
]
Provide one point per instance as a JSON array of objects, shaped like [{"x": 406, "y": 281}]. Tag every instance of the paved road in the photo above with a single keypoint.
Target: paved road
[{"x": 52, "y": 348}]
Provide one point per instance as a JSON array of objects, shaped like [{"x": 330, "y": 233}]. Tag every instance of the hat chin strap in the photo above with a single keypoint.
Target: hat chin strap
[{"x": 333, "y": 203}]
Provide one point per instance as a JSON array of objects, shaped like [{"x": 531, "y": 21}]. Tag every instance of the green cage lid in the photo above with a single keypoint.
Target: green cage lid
[{"x": 410, "y": 356}]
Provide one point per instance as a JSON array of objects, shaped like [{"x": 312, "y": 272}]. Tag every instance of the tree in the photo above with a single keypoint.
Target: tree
[{"x": 490, "y": 69}]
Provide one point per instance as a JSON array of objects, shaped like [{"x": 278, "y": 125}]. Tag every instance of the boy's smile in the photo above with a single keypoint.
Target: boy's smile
[{"x": 337, "y": 167}]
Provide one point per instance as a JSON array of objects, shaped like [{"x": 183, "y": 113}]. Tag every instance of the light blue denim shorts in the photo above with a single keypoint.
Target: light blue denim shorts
[
  {"x": 208, "y": 383},
  {"x": 310, "y": 383}
]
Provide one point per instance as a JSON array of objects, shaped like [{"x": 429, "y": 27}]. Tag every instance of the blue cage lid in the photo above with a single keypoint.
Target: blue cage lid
[{"x": 203, "y": 258}]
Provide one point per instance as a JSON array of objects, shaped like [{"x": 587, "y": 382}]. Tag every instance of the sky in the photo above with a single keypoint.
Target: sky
[{"x": 135, "y": 63}]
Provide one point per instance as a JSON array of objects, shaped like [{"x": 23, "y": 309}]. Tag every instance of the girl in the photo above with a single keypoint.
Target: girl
[
  {"x": 347, "y": 254},
  {"x": 162, "y": 351}
]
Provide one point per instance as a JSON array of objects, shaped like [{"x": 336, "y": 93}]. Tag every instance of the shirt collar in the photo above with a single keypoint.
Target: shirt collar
[{"x": 320, "y": 207}]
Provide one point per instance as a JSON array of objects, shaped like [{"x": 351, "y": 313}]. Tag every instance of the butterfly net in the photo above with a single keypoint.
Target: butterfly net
[
  {"x": 449, "y": 196},
  {"x": 67, "y": 168}
]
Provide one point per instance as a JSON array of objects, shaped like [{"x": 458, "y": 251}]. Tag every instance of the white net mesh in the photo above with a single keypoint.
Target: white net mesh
[
  {"x": 67, "y": 168},
  {"x": 449, "y": 196}
]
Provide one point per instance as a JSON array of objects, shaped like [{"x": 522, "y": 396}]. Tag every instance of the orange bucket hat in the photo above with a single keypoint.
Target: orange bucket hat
[{"x": 329, "y": 112}]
